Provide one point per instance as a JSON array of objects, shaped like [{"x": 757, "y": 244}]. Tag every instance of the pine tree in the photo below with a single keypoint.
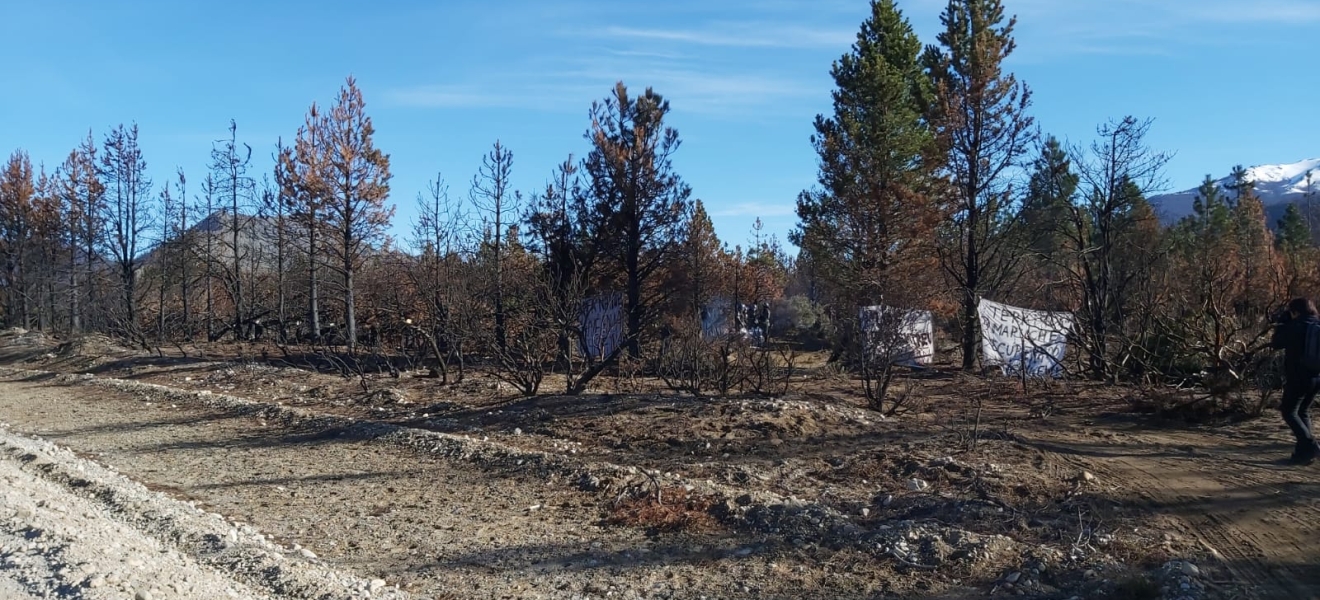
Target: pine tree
[
  {"x": 440, "y": 277},
  {"x": 1227, "y": 274},
  {"x": 1109, "y": 240},
  {"x": 1292, "y": 234},
  {"x": 869, "y": 223},
  {"x": 208, "y": 253},
  {"x": 979, "y": 115},
  {"x": 556, "y": 236},
  {"x": 127, "y": 215},
  {"x": 1296, "y": 249},
  {"x": 1047, "y": 209},
  {"x": 1261, "y": 270},
  {"x": 229, "y": 164},
  {"x": 699, "y": 276},
  {"x": 357, "y": 176},
  {"x": 554, "y": 228},
  {"x": 166, "y": 255},
  {"x": 82, "y": 197},
  {"x": 48, "y": 234},
  {"x": 497, "y": 205},
  {"x": 183, "y": 234},
  {"x": 635, "y": 204},
  {"x": 300, "y": 173},
  {"x": 1210, "y": 209},
  {"x": 274, "y": 207},
  {"x": 767, "y": 266},
  {"x": 17, "y": 192}
]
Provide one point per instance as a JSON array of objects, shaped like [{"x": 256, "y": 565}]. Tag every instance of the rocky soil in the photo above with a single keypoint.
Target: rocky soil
[
  {"x": 421, "y": 490},
  {"x": 71, "y": 528}
]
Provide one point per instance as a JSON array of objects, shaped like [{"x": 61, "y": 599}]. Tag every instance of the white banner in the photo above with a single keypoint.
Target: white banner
[
  {"x": 601, "y": 320},
  {"x": 721, "y": 318},
  {"x": 1017, "y": 339},
  {"x": 716, "y": 318},
  {"x": 905, "y": 337}
]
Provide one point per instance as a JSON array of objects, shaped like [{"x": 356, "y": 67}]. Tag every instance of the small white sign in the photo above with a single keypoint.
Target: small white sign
[
  {"x": 906, "y": 337},
  {"x": 601, "y": 320}
]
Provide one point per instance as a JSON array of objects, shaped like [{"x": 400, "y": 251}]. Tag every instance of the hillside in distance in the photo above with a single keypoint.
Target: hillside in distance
[{"x": 1277, "y": 186}]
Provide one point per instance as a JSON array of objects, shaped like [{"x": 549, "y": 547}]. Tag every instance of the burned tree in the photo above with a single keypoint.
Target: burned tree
[
  {"x": 232, "y": 185},
  {"x": 356, "y": 186},
  {"x": 127, "y": 217},
  {"x": 979, "y": 116},
  {"x": 17, "y": 193},
  {"x": 635, "y": 202},
  {"x": 497, "y": 206},
  {"x": 82, "y": 196}
]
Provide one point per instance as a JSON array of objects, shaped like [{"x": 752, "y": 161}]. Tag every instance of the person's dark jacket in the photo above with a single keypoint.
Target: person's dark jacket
[{"x": 1290, "y": 336}]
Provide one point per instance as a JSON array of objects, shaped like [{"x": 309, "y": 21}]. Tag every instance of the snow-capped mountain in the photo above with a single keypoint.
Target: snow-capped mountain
[{"x": 1277, "y": 186}]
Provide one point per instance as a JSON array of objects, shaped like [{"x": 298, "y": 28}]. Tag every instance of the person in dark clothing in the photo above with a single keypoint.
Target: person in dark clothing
[{"x": 1300, "y": 384}]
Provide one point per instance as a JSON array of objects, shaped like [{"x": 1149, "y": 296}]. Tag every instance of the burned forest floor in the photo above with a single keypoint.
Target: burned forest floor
[{"x": 403, "y": 486}]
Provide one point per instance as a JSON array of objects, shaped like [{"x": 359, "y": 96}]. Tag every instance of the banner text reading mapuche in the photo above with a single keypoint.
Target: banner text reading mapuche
[{"x": 1005, "y": 324}]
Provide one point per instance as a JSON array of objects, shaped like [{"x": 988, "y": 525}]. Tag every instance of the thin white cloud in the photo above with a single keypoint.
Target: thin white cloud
[
  {"x": 530, "y": 94},
  {"x": 1049, "y": 29},
  {"x": 654, "y": 54},
  {"x": 753, "y": 209},
  {"x": 760, "y": 35},
  {"x": 687, "y": 89},
  {"x": 694, "y": 89}
]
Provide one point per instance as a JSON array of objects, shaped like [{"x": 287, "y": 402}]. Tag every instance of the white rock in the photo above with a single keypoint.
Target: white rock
[
  {"x": 1190, "y": 569},
  {"x": 917, "y": 485},
  {"x": 308, "y": 554},
  {"x": 376, "y": 585}
]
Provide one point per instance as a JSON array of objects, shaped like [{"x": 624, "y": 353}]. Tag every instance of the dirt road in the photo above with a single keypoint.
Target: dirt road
[
  {"x": 375, "y": 517},
  {"x": 117, "y": 539},
  {"x": 1225, "y": 487},
  {"x": 430, "y": 526}
]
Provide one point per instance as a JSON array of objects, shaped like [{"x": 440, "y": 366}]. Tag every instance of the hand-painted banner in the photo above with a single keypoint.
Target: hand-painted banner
[
  {"x": 1018, "y": 339},
  {"x": 902, "y": 337},
  {"x": 721, "y": 317},
  {"x": 601, "y": 320}
]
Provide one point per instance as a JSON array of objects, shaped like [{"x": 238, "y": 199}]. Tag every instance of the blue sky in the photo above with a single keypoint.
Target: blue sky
[{"x": 1227, "y": 82}]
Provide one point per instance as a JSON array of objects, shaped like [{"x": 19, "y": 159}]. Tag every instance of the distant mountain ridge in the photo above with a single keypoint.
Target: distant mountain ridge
[{"x": 1277, "y": 186}]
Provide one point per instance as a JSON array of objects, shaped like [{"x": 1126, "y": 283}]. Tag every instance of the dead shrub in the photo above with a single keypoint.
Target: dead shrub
[
  {"x": 665, "y": 510},
  {"x": 1198, "y": 407}
]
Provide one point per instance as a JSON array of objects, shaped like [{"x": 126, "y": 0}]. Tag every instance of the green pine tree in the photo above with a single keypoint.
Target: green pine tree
[
  {"x": 702, "y": 261},
  {"x": 1292, "y": 234},
  {"x": 1211, "y": 213},
  {"x": 869, "y": 222},
  {"x": 1046, "y": 211}
]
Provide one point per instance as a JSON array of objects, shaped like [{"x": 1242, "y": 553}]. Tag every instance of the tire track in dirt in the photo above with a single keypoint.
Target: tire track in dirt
[
  {"x": 431, "y": 525},
  {"x": 1257, "y": 517}
]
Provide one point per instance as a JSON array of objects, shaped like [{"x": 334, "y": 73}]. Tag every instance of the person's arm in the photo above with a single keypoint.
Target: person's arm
[{"x": 1279, "y": 340}]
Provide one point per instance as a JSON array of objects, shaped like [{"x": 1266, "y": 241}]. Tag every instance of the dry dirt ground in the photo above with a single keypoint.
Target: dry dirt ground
[{"x": 467, "y": 491}]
